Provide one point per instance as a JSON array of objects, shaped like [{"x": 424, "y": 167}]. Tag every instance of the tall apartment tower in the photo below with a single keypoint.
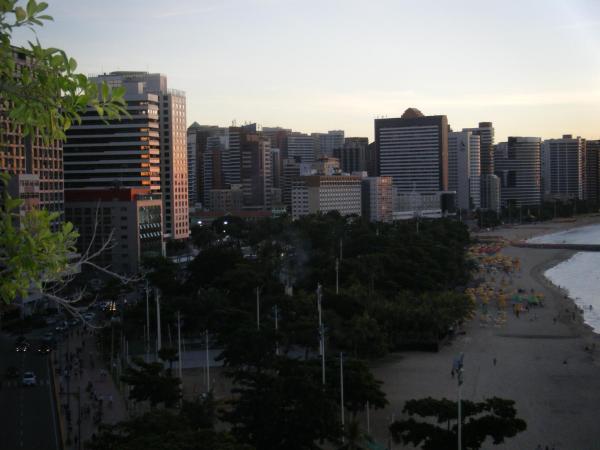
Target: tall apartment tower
[
  {"x": 353, "y": 154},
  {"x": 326, "y": 143},
  {"x": 563, "y": 167},
  {"x": 413, "y": 149},
  {"x": 464, "y": 168},
  {"x": 197, "y": 137},
  {"x": 377, "y": 199},
  {"x": 256, "y": 173},
  {"x": 592, "y": 171},
  {"x": 302, "y": 147},
  {"x": 485, "y": 131},
  {"x": 35, "y": 166},
  {"x": 518, "y": 165},
  {"x": 173, "y": 145}
]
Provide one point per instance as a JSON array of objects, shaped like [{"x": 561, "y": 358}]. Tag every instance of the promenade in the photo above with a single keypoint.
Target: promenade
[{"x": 87, "y": 395}]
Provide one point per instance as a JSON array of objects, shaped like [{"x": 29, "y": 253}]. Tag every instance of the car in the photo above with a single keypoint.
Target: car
[
  {"x": 88, "y": 316},
  {"x": 21, "y": 344},
  {"x": 62, "y": 326},
  {"x": 44, "y": 349},
  {"x": 48, "y": 336},
  {"x": 73, "y": 322},
  {"x": 29, "y": 379}
]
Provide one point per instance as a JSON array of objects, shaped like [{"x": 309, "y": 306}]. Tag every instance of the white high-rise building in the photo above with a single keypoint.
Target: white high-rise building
[
  {"x": 563, "y": 167},
  {"x": 464, "y": 169},
  {"x": 316, "y": 193}
]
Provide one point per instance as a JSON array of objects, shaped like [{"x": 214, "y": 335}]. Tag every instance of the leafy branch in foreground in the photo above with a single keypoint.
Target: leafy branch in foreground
[{"x": 46, "y": 95}]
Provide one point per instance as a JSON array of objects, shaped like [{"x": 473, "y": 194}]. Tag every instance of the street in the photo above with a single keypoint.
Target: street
[{"x": 28, "y": 414}]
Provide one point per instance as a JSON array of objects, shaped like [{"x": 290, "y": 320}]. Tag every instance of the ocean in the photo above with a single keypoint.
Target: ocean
[{"x": 580, "y": 274}]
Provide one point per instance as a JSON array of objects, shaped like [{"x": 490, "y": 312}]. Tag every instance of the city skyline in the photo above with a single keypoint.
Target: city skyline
[{"x": 317, "y": 67}]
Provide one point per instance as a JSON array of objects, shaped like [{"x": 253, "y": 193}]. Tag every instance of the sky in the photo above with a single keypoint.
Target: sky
[{"x": 532, "y": 67}]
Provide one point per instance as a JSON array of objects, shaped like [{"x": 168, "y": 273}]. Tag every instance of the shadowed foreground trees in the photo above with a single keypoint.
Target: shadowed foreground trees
[{"x": 495, "y": 418}]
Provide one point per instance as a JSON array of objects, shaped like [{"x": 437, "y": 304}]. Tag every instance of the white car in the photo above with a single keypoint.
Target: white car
[
  {"x": 88, "y": 316},
  {"x": 29, "y": 379}
]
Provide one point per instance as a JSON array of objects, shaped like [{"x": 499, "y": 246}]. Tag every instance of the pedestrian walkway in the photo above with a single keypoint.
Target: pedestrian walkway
[{"x": 87, "y": 394}]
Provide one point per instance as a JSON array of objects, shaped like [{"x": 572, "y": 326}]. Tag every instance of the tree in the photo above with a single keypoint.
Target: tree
[
  {"x": 168, "y": 354},
  {"x": 165, "y": 430},
  {"x": 149, "y": 381},
  {"x": 283, "y": 407},
  {"x": 494, "y": 418},
  {"x": 43, "y": 97}
]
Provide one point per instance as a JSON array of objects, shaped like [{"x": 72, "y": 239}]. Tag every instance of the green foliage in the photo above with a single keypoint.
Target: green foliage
[
  {"x": 31, "y": 253},
  {"x": 494, "y": 419},
  {"x": 149, "y": 381},
  {"x": 166, "y": 430},
  {"x": 46, "y": 95},
  {"x": 283, "y": 406}
]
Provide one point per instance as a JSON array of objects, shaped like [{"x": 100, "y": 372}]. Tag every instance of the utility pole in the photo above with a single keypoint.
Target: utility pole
[
  {"x": 368, "y": 418},
  {"x": 147, "y": 325},
  {"x": 459, "y": 379},
  {"x": 321, "y": 332},
  {"x": 276, "y": 328},
  {"x": 341, "y": 249},
  {"x": 207, "y": 366},
  {"x": 179, "y": 343},
  {"x": 342, "y": 392},
  {"x": 158, "y": 331},
  {"x": 257, "y": 308},
  {"x": 337, "y": 276}
]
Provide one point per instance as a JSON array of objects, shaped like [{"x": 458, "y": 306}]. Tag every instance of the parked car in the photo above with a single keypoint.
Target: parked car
[
  {"x": 89, "y": 316},
  {"x": 44, "y": 349},
  {"x": 29, "y": 379},
  {"x": 21, "y": 344},
  {"x": 62, "y": 326}
]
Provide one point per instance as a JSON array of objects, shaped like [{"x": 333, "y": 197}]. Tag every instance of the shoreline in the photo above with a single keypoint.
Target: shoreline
[{"x": 545, "y": 365}]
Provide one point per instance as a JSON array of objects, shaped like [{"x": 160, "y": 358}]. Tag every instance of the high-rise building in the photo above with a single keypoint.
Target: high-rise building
[
  {"x": 129, "y": 218},
  {"x": 563, "y": 167},
  {"x": 490, "y": 189},
  {"x": 173, "y": 144},
  {"x": 278, "y": 137},
  {"x": 413, "y": 149},
  {"x": 377, "y": 199},
  {"x": 464, "y": 169},
  {"x": 124, "y": 153},
  {"x": 592, "y": 171},
  {"x": 257, "y": 178},
  {"x": 317, "y": 193},
  {"x": 353, "y": 154},
  {"x": 197, "y": 137},
  {"x": 518, "y": 165},
  {"x": 326, "y": 143},
  {"x": 485, "y": 131},
  {"x": 290, "y": 170},
  {"x": 30, "y": 155},
  {"x": 302, "y": 147},
  {"x": 276, "y": 167}
]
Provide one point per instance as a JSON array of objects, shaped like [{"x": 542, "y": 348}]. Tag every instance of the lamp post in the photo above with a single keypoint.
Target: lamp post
[
  {"x": 321, "y": 332},
  {"x": 459, "y": 379}
]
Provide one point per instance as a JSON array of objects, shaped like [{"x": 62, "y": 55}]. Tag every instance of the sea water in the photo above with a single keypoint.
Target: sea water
[{"x": 580, "y": 274}]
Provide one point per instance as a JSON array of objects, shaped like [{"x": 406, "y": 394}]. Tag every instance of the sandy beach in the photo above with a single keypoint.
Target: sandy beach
[{"x": 542, "y": 360}]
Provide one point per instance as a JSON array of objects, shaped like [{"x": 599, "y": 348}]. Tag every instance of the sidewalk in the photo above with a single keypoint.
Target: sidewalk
[{"x": 87, "y": 391}]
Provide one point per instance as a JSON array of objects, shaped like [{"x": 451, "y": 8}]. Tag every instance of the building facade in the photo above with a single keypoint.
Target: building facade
[
  {"x": 464, "y": 169},
  {"x": 172, "y": 140},
  {"x": 377, "y": 199},
  {"x": 518, "y": 165},
  {"x": 129, "y": 219},
  {"x": 353, "y": 154},
  {"x": 316, "y": 193},
  {"x": 562, "y": 164},
  {"x": 413, "y": 150},
  {"x": 301, "y": 147},
  {"x": 592, "y": 171},
  {"x": 22, "y": 155}
]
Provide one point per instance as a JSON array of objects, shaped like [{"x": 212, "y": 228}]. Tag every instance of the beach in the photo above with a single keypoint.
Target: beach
[{"x": 548, "y": 360}]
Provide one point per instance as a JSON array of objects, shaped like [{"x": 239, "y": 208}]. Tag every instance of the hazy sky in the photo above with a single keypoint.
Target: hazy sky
[{"x": 530, "y": 66}]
